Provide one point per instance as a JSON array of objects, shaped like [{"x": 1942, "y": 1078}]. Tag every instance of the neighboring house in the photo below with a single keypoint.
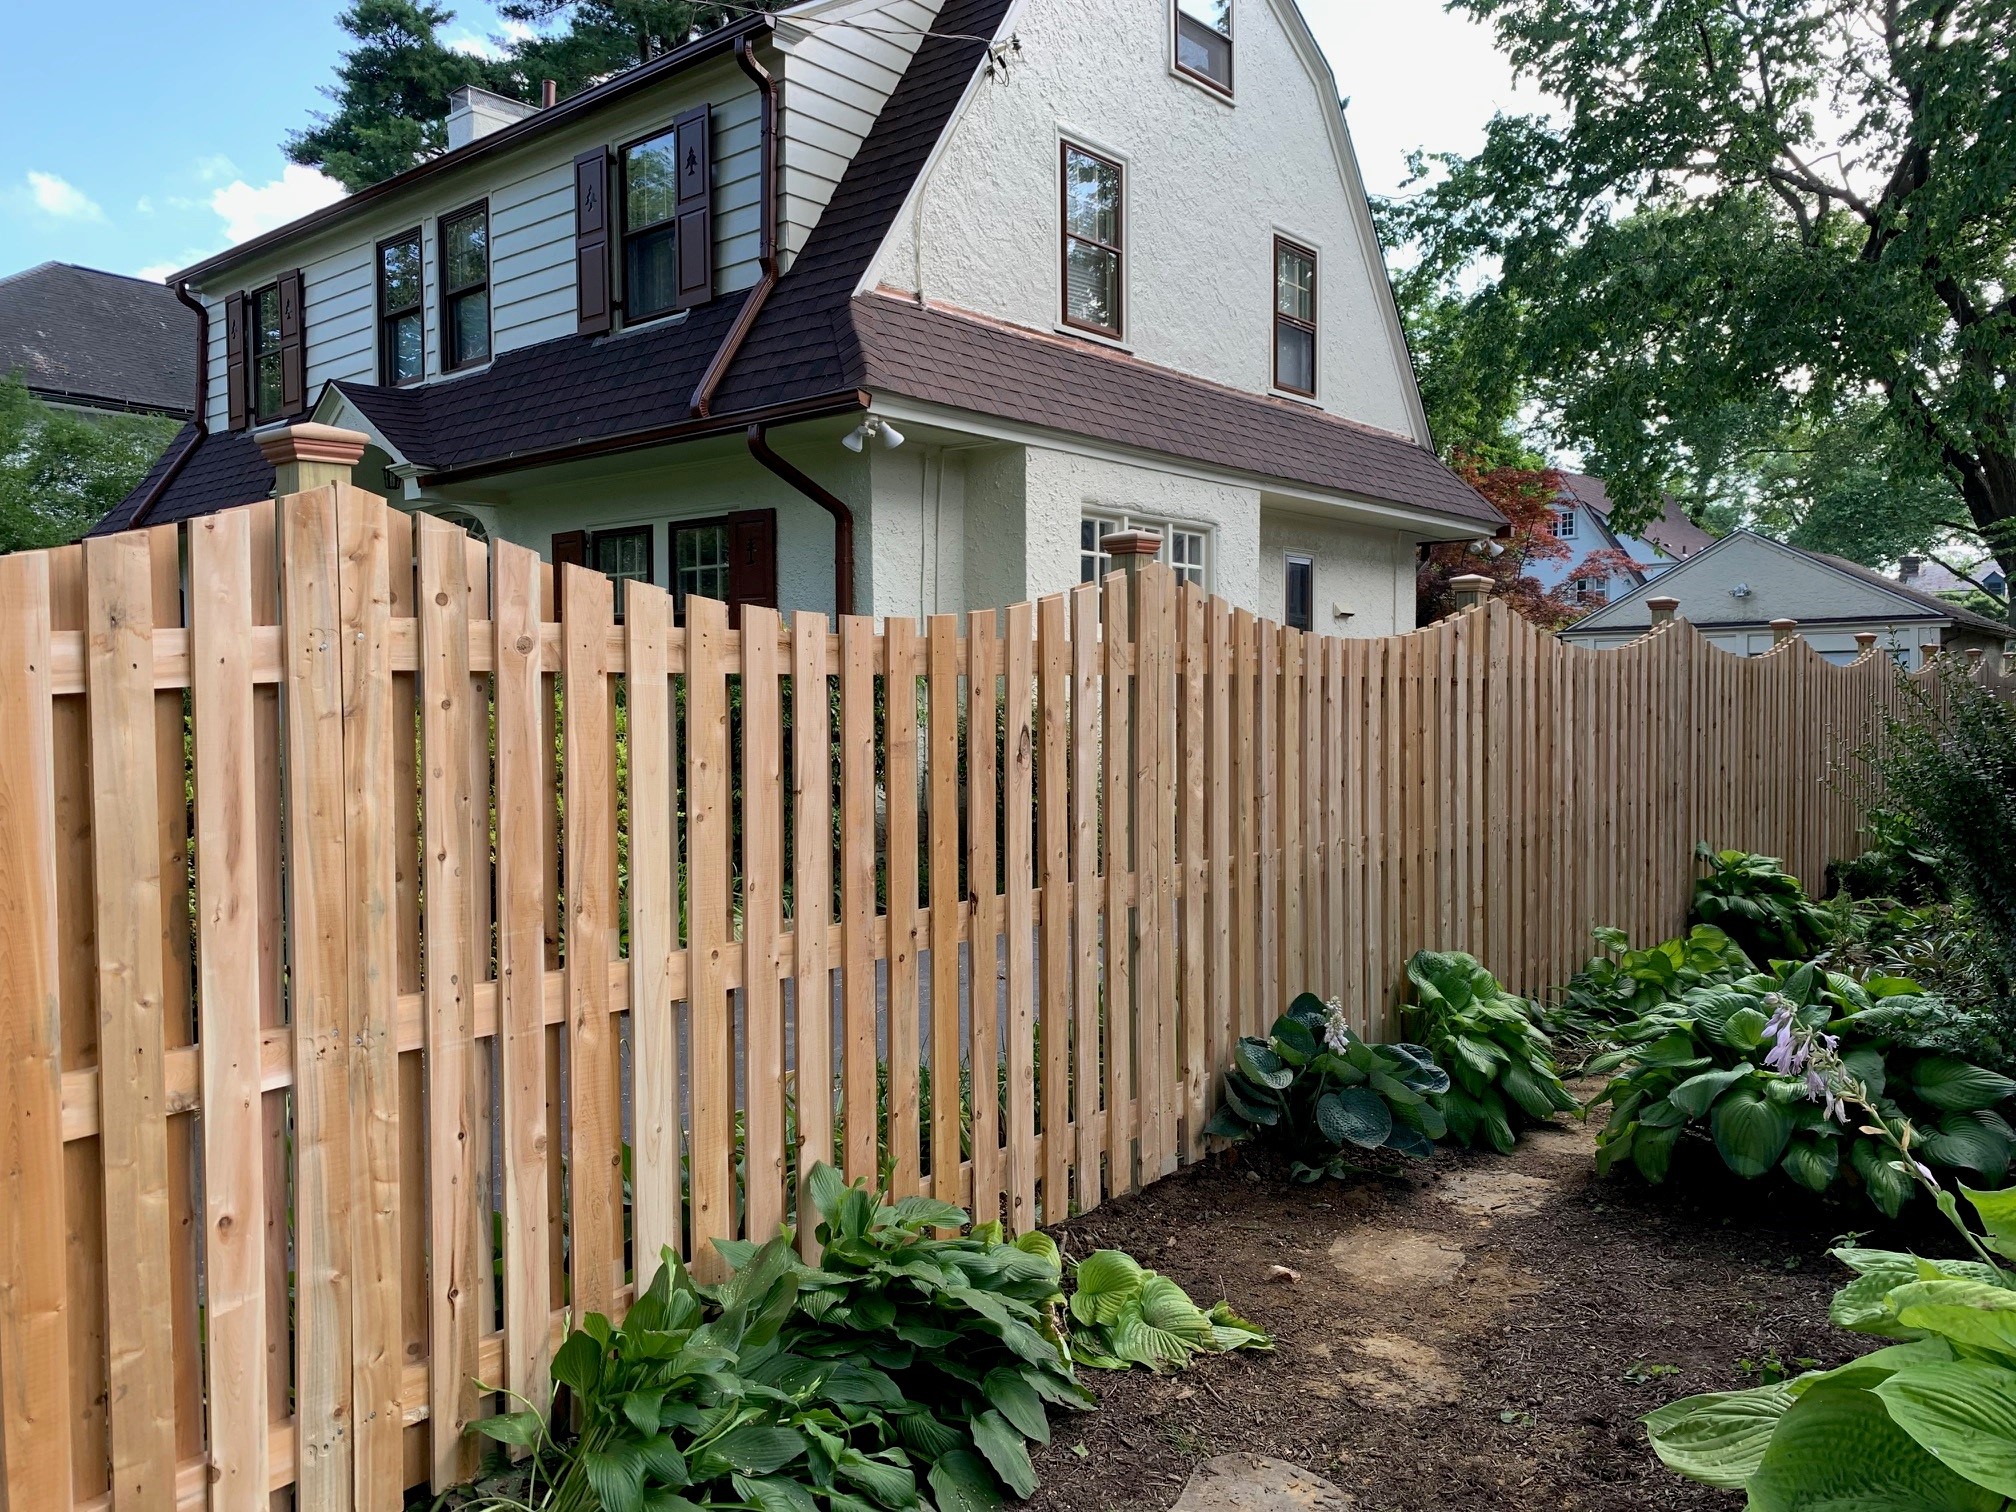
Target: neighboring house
[
  {"x": 1113, "y": 266},
  {"x": 1582, "y": 511},
  {"x": 88, "y": 340},
  {"x": 1733, "y": 589},
  {"x": 1927, "y": 576}
]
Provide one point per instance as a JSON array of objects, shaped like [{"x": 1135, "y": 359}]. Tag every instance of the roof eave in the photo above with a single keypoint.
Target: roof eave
[{"x": 701, "y": 50}]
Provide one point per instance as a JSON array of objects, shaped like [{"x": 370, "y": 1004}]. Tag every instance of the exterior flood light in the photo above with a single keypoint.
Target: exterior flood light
[{"x": 874, "y": 425}]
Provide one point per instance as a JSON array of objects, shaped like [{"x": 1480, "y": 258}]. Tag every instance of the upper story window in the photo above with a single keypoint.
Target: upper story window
[
  {"x": 1092, "y": 241},
  {"x": 1564, "y": 524},
  {"x": 1204, "y": 41},
  {"x": 268, "y": 390},
  {"x": 651, "y": 227},
  {"x": 465, "y": 287},
  {"x": 401, "y": 345},
  {"x": 1294, "y": 318}
]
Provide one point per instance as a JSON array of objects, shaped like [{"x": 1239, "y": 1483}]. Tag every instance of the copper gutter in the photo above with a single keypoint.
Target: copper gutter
[
  {"x": 832, "y": 503},
  {"x": 174, "y": 469},
  {"x": 766, "y": 255}
]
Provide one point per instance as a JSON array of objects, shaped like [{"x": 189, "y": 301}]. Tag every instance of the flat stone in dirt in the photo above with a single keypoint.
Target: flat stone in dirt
[
  {"x": 1395, "y": 1259},
  {"x": 1255, "y": 1483},
  {"x": 1495, "y": 1193}
]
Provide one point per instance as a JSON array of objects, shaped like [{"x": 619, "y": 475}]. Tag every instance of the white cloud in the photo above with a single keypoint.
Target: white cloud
[
  {"x": 484, "y": 45},
  {"x": 249, "y": 209},
  {"x": 158, "y": 272},
  {"x": 59, "y": 197}
]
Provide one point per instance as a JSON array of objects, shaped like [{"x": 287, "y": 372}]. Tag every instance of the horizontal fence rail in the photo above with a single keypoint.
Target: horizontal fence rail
[{"x": 395, "y": 966}]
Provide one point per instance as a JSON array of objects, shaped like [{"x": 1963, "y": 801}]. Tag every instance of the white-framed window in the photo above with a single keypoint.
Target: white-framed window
[
  {"x": 1564, "y": 524},
  {"x": 1592, "y": 590},
  {"x": 1186, "y": 548},
  {"x": 1299, "y": 592},
  {"x": 1204, "y": 41},
  {"x": 1092, "y": 248},
  {"x": 1294, "y": 318}
]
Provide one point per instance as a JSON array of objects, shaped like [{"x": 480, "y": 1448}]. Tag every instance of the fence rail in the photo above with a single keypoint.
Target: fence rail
[{"x": 393, "y": 965}]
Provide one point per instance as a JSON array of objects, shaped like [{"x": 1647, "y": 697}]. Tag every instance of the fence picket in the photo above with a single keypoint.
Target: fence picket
[
  {"x": 709, "y": 935},
  {"x": 811, "y": 902},
  {"x": 655, "y": 1204},
  {"x": 1018, "y": 774},
  {"x": 762, "y": 919},
  {"x": 948, "y": 906},
  {"x": 857, "y": 892},
  {"x": 983, "y": 667},
  {"x": 900, "y": 869}
]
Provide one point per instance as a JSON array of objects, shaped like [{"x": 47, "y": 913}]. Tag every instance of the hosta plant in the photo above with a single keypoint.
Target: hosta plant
[
  {"x": 1623, "y": 984},
  {"x": 1927, "y": 1424},
  {"x": 1717, "y": 1063},
  {"x": 1760, "y": 906},
  {"x": 1315, "y": 1091},
  {"x": 1499, "y": 1061},
  {"x": 1122, "y": 1315}
]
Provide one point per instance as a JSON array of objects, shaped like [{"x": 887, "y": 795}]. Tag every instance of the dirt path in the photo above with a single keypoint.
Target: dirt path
[{"x": 1472, "y": 1331}]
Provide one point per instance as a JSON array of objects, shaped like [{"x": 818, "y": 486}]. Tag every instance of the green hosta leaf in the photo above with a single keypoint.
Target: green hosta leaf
[
  {"x": 825, "y": 1186},
  {"x": 1527, "y": 1089},
  {"x": 920, "y": 1430},
  {"x": 774, "y": 1494},
  {"x": 1108, "y": 1280},
  {"x": 617, "y": 1477},
  {"x": 1888, "y": 1187},
  {"x": 891, "y": 1484},
  {"x": 1227, "y": 1124},
  {"x": 758, "y": 1448},
  {"x": 1652, "y": 1151},
  {"x": 996, "y": 1438},
  {"x": 1997, "y": 1211},
  {"x": 1865, "y": 1064},
  {"x": 1969, "y": 1313},
  {"x": 1294, "y": 1041},
  {"x": 1813, "y": 1163},
  {"x": 1136, "y": 1340},
  {"x": 1165, "y": 1305},
  {"x": 521, "y": 1429},
  {"x": 929, "y": 1212},
  {"x": 1262, "y": 1065},
  {"x": 1249, "y": 1103},
  {"x": 1719, "y": 1439},
  {"x": 1356, "y": 1115},
  {"x": 1409, "y": 1141},
  {"x": 1230, "y": 1331},
  {"x": 1837, "y": 1447},
  {"x": 1968, "y": 1142},
  {"x": 1954, "y": 1086},
  {"x": 1750, "y": 1131},
  {"x": 1744, "y": 1029},
  {"x": 1664, "y": 1114},
  {"x": 1963, "y": 1413},
  {"x": 577, "y": 1364},
  {"x": 1016, "y": 1400},
  {"x": 1042, "y": 1246},
  {"x": 960, "y": 1483},
  {"x": 1494, "y": 1123},
  {"x": 1696, "y": 1095}
]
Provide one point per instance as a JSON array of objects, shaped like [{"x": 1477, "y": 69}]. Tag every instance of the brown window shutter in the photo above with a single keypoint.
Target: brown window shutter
[
  {"x": 752, "y": 558},
  {"x": 591, "y": 243},
  {"x": 237, "y": 388},
  {"x": 569, "y": 547},
  {"x": 293, "y": 345},
  {"x": 696, "y": 206}
]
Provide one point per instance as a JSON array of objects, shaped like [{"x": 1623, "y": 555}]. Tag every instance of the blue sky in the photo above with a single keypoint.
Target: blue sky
[{"x": 139, "y": 137}]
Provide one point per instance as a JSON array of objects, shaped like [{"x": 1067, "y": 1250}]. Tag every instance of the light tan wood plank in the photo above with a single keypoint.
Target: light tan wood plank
[
  {"x": 858, "y": 648},
  {"x": 900, "y": 871},
  {"x": 811, "y": 903},
  {"x": 762, "y": 918},
  {"x": 947, "y": 908},
  {"x": 709, "y": 939},
  {"x": 982, "y": 786}
]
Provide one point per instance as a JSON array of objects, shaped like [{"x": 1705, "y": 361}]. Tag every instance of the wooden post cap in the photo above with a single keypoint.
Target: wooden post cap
[
  {"x": 1132, "y": 543},
  {"x": 1865, "y": 640},
  {"x": 1663, "y": 608},
  {"x": 309, "y": 442},
  {"x": 1783, "y": 630},
  {"x": 1974, "y": 655},
  {"x": 1471, "y": 589}
]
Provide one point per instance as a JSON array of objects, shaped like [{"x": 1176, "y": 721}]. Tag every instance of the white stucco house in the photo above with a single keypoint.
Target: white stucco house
[
  {"x": 894, "y": 306},
  {"x": 1732, "y": 590}
]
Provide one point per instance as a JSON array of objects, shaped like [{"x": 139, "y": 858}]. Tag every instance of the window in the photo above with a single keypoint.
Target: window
[
  {"x": 1183, "y": 547},
  {"x": 1091, "y": 241},
  {"x": 1184, "y": 551},
  {"x": 733, "y": 558},
  {"x": 1294, "y": 318},
  {"x": 1564, "y": 524},
  {"x": 1093, "y": 563},
  {"x": 268, "y": 396},
  {"x": 465, "y": 288},
  {"x": 401, "y": 357},
  {"x": 622, "y": 555},
  {"x": 1204, "y": 41},
  {"x": 1591, "y": 590},
  {"x": 1299, "y": 604},
  {"x": 651, "y": 227}
]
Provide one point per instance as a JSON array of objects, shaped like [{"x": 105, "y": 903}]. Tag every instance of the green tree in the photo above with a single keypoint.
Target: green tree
[
  {"x": 391, "y": 93},
  {"x": 582, "y": 42},
  {"x": 61, "y": 470},
  {"x": 1760, "y": 230}
]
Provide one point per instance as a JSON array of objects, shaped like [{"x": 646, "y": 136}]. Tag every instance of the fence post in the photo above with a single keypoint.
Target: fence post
[
  {"x": 1471, "y": 589},
  {"x": 1865, "y": 642},
  {"x": 308, "y": 455},
  {"x": 1663, "y": 608},
  {"x": 1783, "y": 630}
]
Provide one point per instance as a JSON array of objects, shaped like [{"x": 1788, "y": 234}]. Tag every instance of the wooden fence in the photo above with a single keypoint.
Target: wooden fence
[{"x": 392, "y": 965}]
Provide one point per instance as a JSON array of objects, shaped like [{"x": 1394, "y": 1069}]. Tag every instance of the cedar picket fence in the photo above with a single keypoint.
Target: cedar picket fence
[{"x": 360, "y": 912}]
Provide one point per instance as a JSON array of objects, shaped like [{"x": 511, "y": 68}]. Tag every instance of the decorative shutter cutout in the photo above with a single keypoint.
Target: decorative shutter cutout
[
  {"x": 237, "y": 387},
  {"x": 694, "y": 137},
  {"x": 752, "y": 559},
  {"x": 591, "y": 243},
  {"x": 293, "y": 344}
]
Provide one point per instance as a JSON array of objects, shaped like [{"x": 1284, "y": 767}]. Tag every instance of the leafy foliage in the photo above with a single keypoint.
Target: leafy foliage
[
  {"x": 1759, "y": 905},
  {"x": 1928, "y": 1422},
  {"x": 1896, "y": 862},
  {"x": 1314, "y": 1090},
  {"x": 1122, "y": 1315},
  {"x": 1701, "y": 1062},
  {"x": 1623, "y": 984},
  {"x": 1500, "y": 1061},
  {"x": 61, "y": 470}
]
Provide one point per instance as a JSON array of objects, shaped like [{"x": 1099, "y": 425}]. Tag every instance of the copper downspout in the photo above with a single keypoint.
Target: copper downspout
[
  {"x": 174, "y": 469},
  {"x": 766, "y": 255},
  {"x": 833, "y": 504}
]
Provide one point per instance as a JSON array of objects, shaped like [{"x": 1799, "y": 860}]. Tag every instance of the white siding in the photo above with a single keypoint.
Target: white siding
[
  {"x": 531, "y": 198},
  {"x": 842, "y": 60}
]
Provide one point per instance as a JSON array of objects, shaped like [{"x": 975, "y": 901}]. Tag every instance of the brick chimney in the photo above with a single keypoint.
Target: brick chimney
[{"x": 1908, "y": 567}]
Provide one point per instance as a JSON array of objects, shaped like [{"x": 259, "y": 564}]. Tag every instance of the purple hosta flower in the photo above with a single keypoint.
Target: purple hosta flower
[
  {"x": 1336, "y": 1029},
  {"x": 1790, "y": 1049}
]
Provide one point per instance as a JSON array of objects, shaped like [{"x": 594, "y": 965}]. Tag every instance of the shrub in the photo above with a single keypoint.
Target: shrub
[
  {"x": 1897, "y": 862},
  {"x": 1314, "y": 1091},
  {"x": 1500, "y": 1061},
  {"x": 1929, "y": 1422},
  {"x": 1759, "y": 905},
  {"x": 1713, "y": 1061},
  {"x": 1613, "y": 989}
]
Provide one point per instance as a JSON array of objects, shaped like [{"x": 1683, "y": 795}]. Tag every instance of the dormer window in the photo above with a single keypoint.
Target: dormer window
[
  {"x": 268, "y": 393},
  {"x": 465, "y": 288},
  {"x": 1204, "y": 41},
  {"x": 1564, "y": 524},
  {"x": 667, "y": 222},
  {"x": 401, "y": 343}
]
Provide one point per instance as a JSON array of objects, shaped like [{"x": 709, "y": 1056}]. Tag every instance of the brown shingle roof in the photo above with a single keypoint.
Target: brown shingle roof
[{"x": 98, "y": 340}]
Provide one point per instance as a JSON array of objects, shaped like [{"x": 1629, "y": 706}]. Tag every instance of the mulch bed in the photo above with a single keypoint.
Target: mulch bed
[{"x": 1469, "y": 1331}]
